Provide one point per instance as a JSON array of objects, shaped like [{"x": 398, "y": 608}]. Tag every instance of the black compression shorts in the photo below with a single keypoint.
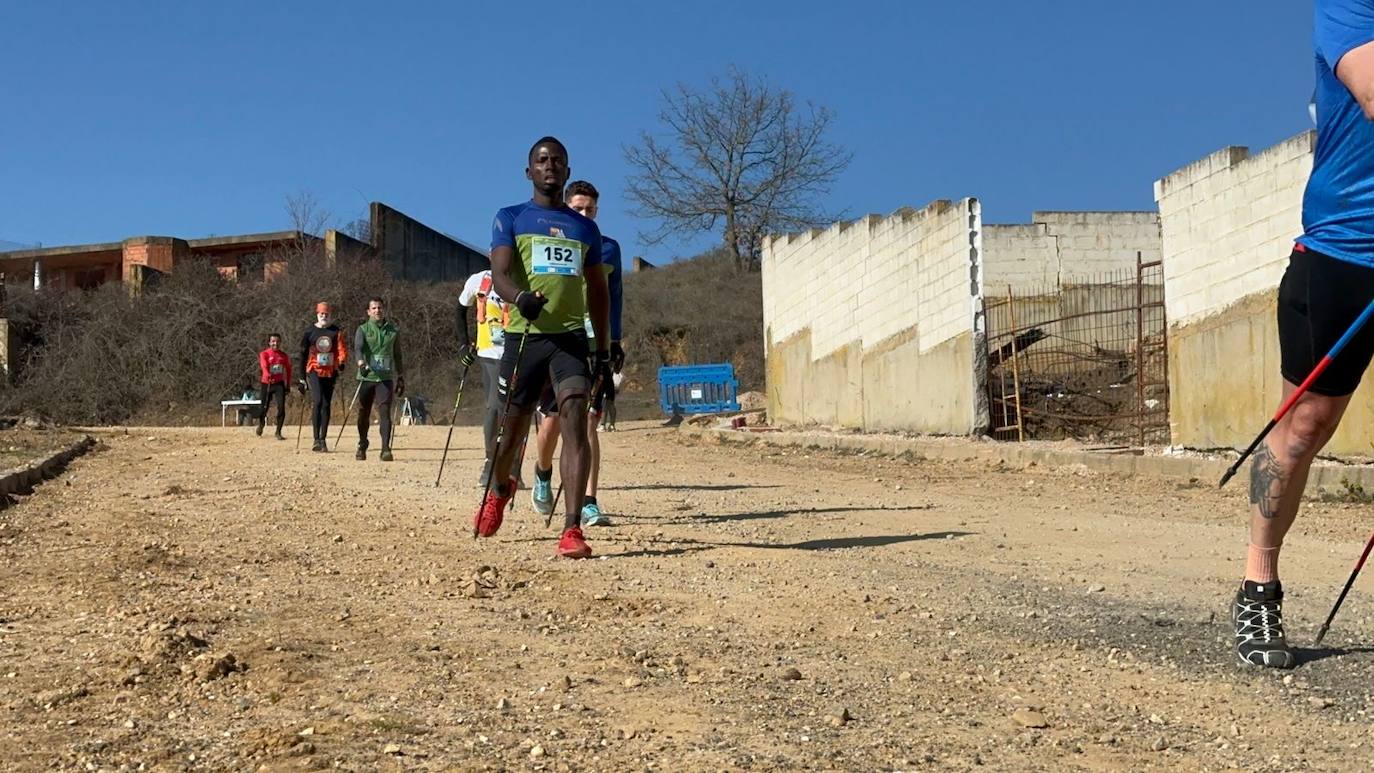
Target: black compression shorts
[
  {"x": 1319, "y": 298},
  {"x": 558, "y": 361}
]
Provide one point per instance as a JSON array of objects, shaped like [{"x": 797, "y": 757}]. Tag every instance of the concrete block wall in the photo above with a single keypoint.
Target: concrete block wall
[
  {"x": 1062, "y": 249},
  {"x": 871, "y": 324},
  {"x": 1228, "y": 223}
]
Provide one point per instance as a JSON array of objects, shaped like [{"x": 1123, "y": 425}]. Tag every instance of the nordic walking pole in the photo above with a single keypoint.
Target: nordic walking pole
[
  {"x": 300, "y": 422},
  {"x": 462, "y": 380},
  {"x": 1321, "y": 632},
  {"x": 347, "y": 411},
  {"x": 1307, "y": 382},
  {"x": 501, "y": 430}
]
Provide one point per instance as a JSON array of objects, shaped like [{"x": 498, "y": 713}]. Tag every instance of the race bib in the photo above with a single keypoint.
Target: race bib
[
  {"x": 498, "y": 335},
  {"x": 380, "y": 364},
  {"x": 324, "y": 359},
  {"x": 554, "y": 256},
  {"x": 275, "y": 369}
]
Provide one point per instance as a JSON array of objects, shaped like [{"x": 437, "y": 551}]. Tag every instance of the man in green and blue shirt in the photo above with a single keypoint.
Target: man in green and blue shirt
[{"x": 546, "y": 258}]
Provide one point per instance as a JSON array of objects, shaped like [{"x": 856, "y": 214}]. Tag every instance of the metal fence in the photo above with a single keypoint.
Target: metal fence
[{"x": 1087, "y": 361}]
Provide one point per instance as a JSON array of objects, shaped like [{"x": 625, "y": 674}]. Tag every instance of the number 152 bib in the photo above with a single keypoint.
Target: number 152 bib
[{"x": 552, "y": 255}]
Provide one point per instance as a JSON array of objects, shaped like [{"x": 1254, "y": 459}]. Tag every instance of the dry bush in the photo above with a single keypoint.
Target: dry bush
[
  {"x": 192, "y": 338},
  {"x": 695, "y": 311}
]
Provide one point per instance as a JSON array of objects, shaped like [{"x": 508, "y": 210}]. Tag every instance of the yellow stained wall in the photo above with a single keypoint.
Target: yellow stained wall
[
  {"x": 1225, "y": 382},
  {"x": 893, "y": 386}
]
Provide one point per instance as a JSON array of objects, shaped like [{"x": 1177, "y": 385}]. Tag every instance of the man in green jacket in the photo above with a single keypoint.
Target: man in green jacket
[{"x": 378, "y": 345}]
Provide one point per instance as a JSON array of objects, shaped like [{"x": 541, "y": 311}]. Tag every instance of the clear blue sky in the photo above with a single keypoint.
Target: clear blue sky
[{"x": 190, "y": 119}]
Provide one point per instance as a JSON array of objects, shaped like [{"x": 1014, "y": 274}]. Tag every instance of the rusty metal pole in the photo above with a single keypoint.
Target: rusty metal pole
[
  {"x": 1015, "y": 367},
  {"x": 1140, "y": 348}
]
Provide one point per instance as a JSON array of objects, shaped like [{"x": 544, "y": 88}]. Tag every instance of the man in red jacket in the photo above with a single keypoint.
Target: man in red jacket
[{"x": 276, "y": 374}]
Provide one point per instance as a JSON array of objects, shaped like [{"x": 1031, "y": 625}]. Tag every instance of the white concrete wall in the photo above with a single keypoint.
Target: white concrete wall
[
  {"x": 1228, "y": 222},
  {"x": 867, "y": 280},
  {"x": 1059, "y": 249},
  {"x": 877, "y": 282}
]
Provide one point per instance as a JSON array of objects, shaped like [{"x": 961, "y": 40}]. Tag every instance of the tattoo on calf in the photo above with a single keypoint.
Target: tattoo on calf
[{"x": 1266, "y": 482}]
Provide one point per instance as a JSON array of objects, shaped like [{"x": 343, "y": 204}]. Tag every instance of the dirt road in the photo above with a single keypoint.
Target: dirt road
[{"x": 206, "y": 599}]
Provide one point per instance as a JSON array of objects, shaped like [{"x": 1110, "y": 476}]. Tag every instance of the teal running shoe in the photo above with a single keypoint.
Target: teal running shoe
[
  {"x": 592, "y": 515},
  {"x": 542, "y": 495}
]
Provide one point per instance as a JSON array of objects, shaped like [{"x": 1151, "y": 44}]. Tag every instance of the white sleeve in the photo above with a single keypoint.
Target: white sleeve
[{"x": 470, "y": 289}]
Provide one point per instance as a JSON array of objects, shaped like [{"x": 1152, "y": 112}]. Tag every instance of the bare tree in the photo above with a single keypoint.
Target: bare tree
[
  {"x": 306, "y": 213},
  {"x": 360, "y": 229},
  {"x": 740, "y": 153}
]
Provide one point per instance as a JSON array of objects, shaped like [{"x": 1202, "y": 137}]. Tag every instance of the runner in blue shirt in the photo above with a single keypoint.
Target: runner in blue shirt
[
  {"x": 583, "y": 197},
  {"x": 1330, "y": 279}
]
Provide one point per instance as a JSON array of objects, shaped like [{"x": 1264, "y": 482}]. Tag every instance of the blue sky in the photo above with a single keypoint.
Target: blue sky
[{"x": 191, "y": 119}]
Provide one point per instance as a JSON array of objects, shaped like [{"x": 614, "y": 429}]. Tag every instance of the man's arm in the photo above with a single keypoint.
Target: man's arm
[
  {"x": 464, "y": 336},
  {"x": 1356, "y": 71},
  {"x": 360, "y": 346},
  {"x": 599, "y": 305},
  {"x": 617, "y": 289},
  {"x": 305, "y": 352},
  {"x": 502, "y": 258}
]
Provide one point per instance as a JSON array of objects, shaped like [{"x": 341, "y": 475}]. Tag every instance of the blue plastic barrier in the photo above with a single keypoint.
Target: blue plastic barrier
[{"x": 698, "y": 388}]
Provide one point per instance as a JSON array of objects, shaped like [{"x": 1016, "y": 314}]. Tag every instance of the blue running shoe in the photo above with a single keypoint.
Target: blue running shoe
[
  {"x": 542, "y": 495},
  {"x": 592, "y": 515}
]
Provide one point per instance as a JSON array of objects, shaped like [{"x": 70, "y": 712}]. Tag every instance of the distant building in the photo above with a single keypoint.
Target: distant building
[
  {"x": 638, "y": 264},
  {"x": 409, "y": 249}
]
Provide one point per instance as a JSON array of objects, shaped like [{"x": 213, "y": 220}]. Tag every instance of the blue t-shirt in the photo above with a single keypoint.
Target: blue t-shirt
[
  {"x": 1338, "y": 205},
  {"x": 554, "y": 248}
]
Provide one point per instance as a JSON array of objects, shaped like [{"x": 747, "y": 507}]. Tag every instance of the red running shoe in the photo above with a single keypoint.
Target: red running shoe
[
  {"x": 573, "y": 545},
  {"x": 488, "y": 519}
]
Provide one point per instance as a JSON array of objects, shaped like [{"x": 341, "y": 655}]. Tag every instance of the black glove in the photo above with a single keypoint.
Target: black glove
[
  {"x": 400, "y": 387},
  {"x": 601, "y": 367},
  {"x": 300, "y": 386},
  {"x": 468, "y": 357},
  {"x": 617, "y": 356},
  {"x": 530, "y": 304}
]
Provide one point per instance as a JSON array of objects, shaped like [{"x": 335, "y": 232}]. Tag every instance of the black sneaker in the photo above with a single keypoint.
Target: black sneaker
[
  {"x": 317, "y": 447},
  {"x": 280, "y": 436},
  {"x": 324, "y": 446},
  {"x": 361, "y": 455},
  {"x": 386, "y": 454},
  {"x": 259, "y": 430},
  {"x": 1257, "y": 614}
]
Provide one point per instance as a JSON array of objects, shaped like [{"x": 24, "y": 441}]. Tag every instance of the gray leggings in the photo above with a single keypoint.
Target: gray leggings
[{"x": 491, "y": 372}]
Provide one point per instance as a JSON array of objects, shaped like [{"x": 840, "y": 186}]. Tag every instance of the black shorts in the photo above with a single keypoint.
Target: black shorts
[
  {"x": 548, "y": 405},
  {"x": 1319, "y": 298},
  {"x": 557, "y": 361}
]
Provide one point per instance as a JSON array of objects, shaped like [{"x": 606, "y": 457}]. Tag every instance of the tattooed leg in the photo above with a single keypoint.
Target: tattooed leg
[{"x": 1266, "y": 482}]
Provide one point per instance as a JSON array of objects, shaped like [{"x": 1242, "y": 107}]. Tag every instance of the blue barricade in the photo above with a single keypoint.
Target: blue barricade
[{"x": 698, "y": 388}]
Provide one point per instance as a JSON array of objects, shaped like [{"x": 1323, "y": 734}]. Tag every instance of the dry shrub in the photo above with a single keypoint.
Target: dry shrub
[
  {"x": 191, "y": 339},
  {"x": 696, "y": 311}
]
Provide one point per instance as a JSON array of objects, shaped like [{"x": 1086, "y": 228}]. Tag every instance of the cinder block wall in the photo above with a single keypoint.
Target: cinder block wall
[
  {"x": 1060, "y": 249},
  {"x": 874, "y": 324},
  {"x": 1228, "y": 223},
  {"x": 1057, "y": 266}
]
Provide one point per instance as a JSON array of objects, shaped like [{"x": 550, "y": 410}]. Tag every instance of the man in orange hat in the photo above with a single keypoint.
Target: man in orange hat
[{"x": 323, "y": 354}]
